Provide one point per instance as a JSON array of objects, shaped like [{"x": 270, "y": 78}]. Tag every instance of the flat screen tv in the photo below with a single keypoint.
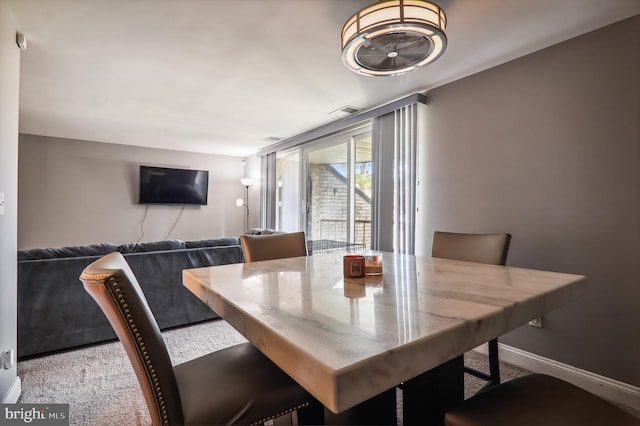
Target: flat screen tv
[{"x": 161, "y": 185}]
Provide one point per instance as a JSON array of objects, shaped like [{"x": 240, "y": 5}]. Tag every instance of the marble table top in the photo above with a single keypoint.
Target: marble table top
[{"x": 347, "y": 340}]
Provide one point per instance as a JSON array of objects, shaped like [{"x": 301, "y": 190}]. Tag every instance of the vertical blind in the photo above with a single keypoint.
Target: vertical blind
[{"x": 404, "y": 170}]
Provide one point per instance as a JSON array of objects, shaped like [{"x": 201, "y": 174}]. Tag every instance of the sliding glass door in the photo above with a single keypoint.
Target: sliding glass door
[
  {"x": 287, "y": 191},
  {"x": 357, "y": 185},
  {"x": 325, "y": 189},
  {"x": 337, "y": 172}
]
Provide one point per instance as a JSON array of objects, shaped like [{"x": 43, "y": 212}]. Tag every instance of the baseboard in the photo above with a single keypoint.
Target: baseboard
[
  {"x": 14, "y": 392},
  {"x": 613, "y": 390}
]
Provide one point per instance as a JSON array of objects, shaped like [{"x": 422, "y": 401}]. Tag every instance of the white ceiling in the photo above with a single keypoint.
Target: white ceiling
[{"x": 220, "y": 76}]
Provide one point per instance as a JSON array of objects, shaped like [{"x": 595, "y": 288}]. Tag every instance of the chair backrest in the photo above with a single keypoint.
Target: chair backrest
[
  {"x": 114, "y": 287},
  {"x": 273, "y": 246},
  {"x": 481, "y": 248}
]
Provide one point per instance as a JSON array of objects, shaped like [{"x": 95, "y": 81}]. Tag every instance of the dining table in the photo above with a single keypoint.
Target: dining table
[{"x": 352, "y": 342}]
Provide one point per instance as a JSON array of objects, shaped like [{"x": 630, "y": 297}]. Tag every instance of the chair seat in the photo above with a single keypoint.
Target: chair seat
[
  {"x": 236, "y": 385},
  {"x": 537, "y": 400}
]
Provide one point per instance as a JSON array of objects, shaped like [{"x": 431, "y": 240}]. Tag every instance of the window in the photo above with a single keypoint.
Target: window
[
  {"x": 333, "y": 203},
  {"x": 352, "y": 181}
]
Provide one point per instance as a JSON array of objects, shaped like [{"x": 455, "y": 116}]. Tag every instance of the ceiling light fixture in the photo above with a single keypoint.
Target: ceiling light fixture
[{"x": 393, "y": 37}]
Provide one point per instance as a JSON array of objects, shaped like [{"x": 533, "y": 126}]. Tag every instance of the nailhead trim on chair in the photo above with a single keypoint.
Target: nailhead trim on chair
[
  {"x": 275, "y": 416},
  {"x": 151, "y": 370}
]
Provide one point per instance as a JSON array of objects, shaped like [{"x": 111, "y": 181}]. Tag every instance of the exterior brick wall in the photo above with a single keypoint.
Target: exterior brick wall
[{"x": 329, "y": 208}]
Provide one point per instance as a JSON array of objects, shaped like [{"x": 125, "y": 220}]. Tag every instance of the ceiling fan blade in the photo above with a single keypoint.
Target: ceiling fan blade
[{"x": 393, "y": 51}]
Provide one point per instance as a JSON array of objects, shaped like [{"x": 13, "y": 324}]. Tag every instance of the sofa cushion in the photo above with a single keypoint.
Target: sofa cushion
[
  {"x": 214, "y": 242},
  {"x": 150, "y": 246},
  {"x": 262, "y": 231},
  {"x": 71, "y": 251}
]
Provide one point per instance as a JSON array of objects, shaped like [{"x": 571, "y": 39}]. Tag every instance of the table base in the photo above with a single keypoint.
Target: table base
[{"x": 425, "y": 400}]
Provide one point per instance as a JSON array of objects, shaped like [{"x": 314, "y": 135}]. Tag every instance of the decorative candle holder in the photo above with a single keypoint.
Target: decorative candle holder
[
  {"x": 354, "y": 266},
  {"x": 373, "y": 263}
]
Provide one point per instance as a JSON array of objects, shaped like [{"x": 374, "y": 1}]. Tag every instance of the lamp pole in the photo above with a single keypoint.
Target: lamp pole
[
  {"x": 246, "y": 182},
  {"x": 246, "y": 204}
]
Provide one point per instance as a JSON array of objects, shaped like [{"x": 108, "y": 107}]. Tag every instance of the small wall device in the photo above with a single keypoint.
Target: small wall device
[{"x": 21, "y": 41}]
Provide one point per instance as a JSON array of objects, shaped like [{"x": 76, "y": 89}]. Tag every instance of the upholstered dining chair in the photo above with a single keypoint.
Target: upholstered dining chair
[
  {"x": 273, "y": 246},
  {"x": 235, "y": 385},
  {"x": 537, "y": 400},
  {"x": 481, "y": 248}
]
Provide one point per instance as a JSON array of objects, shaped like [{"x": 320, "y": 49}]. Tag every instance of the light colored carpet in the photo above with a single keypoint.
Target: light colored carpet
[
  {"x": 98, "y": 382},
  {"x": 101, "y": 389}
]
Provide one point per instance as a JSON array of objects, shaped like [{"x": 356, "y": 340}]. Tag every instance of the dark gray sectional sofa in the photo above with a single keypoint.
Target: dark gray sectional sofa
[{"x": 56, "y": 313}]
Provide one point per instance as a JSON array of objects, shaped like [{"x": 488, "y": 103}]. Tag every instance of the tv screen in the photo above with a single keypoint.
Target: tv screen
[{"x": 161, "y": 185}]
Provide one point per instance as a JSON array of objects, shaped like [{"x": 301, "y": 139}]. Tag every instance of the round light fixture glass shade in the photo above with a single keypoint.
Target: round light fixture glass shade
[
  {"x": 239, "y": 202},
  {"x": 246, "y": 181},
  {"x": 394, "y": 37}
]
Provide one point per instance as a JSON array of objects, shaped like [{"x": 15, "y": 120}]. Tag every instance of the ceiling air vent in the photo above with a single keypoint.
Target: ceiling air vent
[
  {"x": 348, "y": 110},
  {"x": 272, "y": 139}
]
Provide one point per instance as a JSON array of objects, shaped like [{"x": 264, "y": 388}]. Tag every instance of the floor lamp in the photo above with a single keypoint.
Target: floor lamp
[{"x": 240, "y": 202}]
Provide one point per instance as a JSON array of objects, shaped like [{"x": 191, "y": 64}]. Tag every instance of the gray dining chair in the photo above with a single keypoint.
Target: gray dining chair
[
  {"x": 481, "y": 248},
  {"x": 235, "y": 385},
  {"x": 273, "y": 246},
  {"x": 537, "y": 400}
]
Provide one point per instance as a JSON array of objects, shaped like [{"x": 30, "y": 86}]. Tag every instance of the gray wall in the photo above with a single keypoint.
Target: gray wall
[
  {"x": 79, "y": 192},
  {"x": 9, "y": 84},
  {"x": 547, "y": 148}
]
